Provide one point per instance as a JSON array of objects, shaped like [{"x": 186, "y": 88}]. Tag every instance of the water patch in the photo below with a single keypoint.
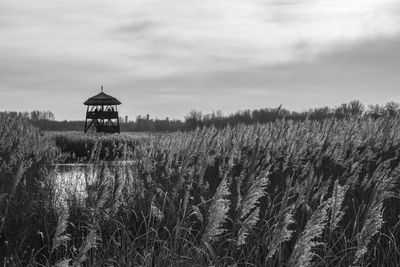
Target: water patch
[{"x": 75, "y": 179}]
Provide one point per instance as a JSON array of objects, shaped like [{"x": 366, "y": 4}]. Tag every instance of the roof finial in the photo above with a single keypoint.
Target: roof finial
[{"x": 102, "y": 88}]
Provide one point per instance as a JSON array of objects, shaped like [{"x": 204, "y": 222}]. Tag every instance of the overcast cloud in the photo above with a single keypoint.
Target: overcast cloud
[{"x": 164, "y": 58}]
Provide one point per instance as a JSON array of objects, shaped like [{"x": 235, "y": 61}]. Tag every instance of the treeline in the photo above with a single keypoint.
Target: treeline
[
  {"x": 352, "y": 109},
  {"x": 145, "y": 124},
  {"x": 33, "y": 115},
  {"x": 44, "y": 120}
]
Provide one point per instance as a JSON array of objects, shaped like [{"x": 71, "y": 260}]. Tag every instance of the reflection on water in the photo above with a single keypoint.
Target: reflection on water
[{"x": 73, "y": 179}]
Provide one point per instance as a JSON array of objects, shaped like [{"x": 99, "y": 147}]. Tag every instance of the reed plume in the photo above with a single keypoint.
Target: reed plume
[
  {"x": 89, "y": 243},
  {"x": 155, "y": 212},
  {"x": 60, "y": 237},
  {"x": 371, "y": 227},
  {"x": 281, "y": 232},
  {"x": 374, "y": 217},
  {"x": 63, "y": 263},
  {"x": 217, "y": 213},
  {"x": 336, "y": 202},
  {"x": 249, "y": 212},
  {"x": 301, "y": 254}
]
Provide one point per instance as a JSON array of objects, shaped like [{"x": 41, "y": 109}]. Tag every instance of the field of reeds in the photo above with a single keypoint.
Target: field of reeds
[
  {"x": 78, "y": 146},
  {"x": 278, "y": 194}
]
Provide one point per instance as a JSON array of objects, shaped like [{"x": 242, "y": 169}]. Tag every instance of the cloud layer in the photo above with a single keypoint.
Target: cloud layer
[{"x": 167, "y": 57}]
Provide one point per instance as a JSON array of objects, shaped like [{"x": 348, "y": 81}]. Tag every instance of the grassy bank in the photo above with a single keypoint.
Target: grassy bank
[
  {"x": 78, "y": 146},
  {"x": 278, "y": 194}
]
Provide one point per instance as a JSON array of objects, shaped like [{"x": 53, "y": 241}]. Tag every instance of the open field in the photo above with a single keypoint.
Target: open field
[{"x": 277, "y": 194}]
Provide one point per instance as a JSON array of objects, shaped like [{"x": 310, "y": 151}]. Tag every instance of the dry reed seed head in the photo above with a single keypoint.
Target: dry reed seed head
[
  {"x": 256, "y": 191},
  {"x": 59, "y": 237},
  {"x": 247, "y": 226},
  {"x": 218, "y": 213},
  {"x": 239, "y": 183},
  {"x": 366, "y": 182},
  {"x": 90, "y": 242},
  {"x": 155, "y": 212},
  {"x": 322, "y": 191},
  {"x": 371, "y": 227},
  {"x": 336, "y": 202},
  {"x": 63, "y": 263},
  {"x": 281, "y": 231},
  {"x": 103, "y": 189},
  {"x": 374, "y": 217},
  {"x": 301, "y": 254},
  {"x": 196, "y": 211}
]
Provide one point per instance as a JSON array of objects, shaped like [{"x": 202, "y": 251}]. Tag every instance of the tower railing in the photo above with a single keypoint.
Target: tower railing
[{"x": 108, "y": 115}]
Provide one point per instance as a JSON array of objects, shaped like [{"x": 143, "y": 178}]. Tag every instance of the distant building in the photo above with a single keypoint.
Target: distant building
[{"x": 102, "y": 114}]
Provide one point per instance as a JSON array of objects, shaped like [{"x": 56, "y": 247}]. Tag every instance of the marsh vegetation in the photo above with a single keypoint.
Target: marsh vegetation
[{"x": 283, "y": 193}]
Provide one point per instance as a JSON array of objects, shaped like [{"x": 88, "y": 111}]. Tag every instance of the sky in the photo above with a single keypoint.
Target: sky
[{"x": 165, "y": 58}]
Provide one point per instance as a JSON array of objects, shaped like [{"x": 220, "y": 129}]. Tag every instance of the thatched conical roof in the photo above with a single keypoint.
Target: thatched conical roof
[{"x": 102, "y": 99}]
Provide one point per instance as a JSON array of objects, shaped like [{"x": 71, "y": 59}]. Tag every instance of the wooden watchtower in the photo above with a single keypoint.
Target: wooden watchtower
[{"x": 102, "y": 113}]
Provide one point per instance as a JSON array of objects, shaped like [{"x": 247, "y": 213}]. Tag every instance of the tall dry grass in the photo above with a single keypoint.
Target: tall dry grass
[{"x": 279, "y": 194}]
